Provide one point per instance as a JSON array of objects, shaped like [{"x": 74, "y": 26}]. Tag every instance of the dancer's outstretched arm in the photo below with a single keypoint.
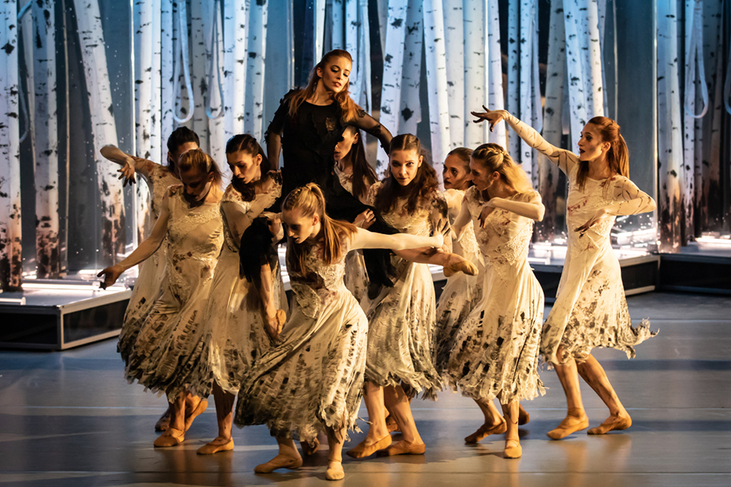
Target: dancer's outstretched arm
[
  {"x": 565, "y": 160},
  {"x": 148, "y": 247},
  {"x": 363, "y": 239},
  {"x": 130, "y": 164},
  {"x": 371, "y": 126},
  {"x": 532, "y": 209}
]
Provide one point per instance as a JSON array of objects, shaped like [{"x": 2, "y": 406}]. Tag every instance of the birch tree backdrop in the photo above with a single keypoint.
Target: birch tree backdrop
[{"x": 132, "y": 73}]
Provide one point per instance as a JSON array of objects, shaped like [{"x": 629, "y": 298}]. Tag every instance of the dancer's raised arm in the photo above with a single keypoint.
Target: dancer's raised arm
[
  {"x": 370, "y": 125},
  {"x": 564, "y": 159},
  {"x": 130, "y": 164}
]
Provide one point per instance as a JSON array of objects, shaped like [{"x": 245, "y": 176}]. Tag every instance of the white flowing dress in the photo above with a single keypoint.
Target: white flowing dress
[
  {"x": 160, "y": 358},
  {"x": 590, "y": 309},
  {"x": 496, "y": 348},
  {"x": 148, "y": 286},
  {"x": 234, "y": 335},
  {"x": 311, "y": 379},
  {"x": 461, "y": 293},
  {"x": 401, "y": 318}
]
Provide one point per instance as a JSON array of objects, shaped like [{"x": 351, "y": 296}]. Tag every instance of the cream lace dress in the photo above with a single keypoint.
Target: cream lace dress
[
  {"x": 590, "y": 309},
  {"x": 401, "y": 318},
  {"x": 312, "y": 378},
  {"x": 496, "y": 348},
  {"x": 160, "y": 358},
  {"x": 151, "y": 272},
  {"x": 234, "y": 335},
  {"x": 461, "y": 293},
  {"x": 356, "y": 276}
]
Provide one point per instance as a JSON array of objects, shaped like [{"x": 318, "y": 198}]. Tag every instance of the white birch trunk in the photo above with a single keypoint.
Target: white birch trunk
[
  {"x": 155, "y": 105},
  {"x": 436, "y": 75},
  {"x": 167, "y": 96},
  {"x": 689, "y": 142},
  {"x": 255, "y": 70},
  {"x": 592, "y": 59},
  {"x": 577, "y": 96},
  {"x": 364, "y": 57},
  {"x": 351, "y": 42},
  {"x": 319, "y": 28},
  {"x": 494, "y": 73},
  {"x": 199, "y": 74},
  {"x": 513, "y": 73},
  {"x": 670, "y": 143},
  {"x": 236, "y": 38},
  {"x": 104, "y": 130},
  {"x": 527, "y": 12},
  {"x": 11, "y": 251},
  {"x": 45, "y": 144},
  {"x": 213, "y": 28},
  {"x": 456, "y": 47},
  {"x": 143, "y": 73},
  {"x": 474, "y": 72},
  {"x": 338, "y": 26},
  {"x": 410, "y": 112},
  {"x": 393, "y": 57}
]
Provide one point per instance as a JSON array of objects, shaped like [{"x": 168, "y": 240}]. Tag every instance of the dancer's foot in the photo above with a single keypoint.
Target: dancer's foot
[
  {"x": 335, "y": 471},
  {"x": 275, "y": 323},
  {"x": 366, "y": 448},
  {"x": 618, "y": 422},
  {"x": 570, "y": 424},
  {"x": 391, "y": 424},
  {"x": 280, "y": 461},
  {"x": 172, "y": 437},
  {"x": 523, "y": 416},
  {"x": 164, "y": 422},
  {"x": 195, "y": 411},
  {"x": 310, "y": 450},
  {"x": 404, "y": 448},
  {"x": 217, "y": 445},
  {"x": 513, "y": 449},
  {"x": 486, "y": 430},
  {"x": 457, "y": 263}
]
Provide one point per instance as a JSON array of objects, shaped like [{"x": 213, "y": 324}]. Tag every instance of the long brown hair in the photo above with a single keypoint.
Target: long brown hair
[
  {"x": 348, "y": 107},
  {"x": 310, "y": 201},
  {"x": 494, "y": 158},
  {"x": 363, "y": 173},
  {"x": 618, "y": 154},
  {"x": 423, "y": 184},
  {"x": 196, "y": 158}
]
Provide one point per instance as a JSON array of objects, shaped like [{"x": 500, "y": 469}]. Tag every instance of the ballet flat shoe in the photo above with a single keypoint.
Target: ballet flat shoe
[
  {"x": 269, "y": 466},
  {"x": 198, "y": 410},
  {"x": 362, "y": 450},
  {"x": 163, "y": 423},
  {"x": 168, "y": 439},
  {"x": 308, "y": 450},
  {"x": 619, "y": 425},
  {"x": 513, "y": 451},
  {"x": 403, "y": 448},
  {"x": 335, "y": 473},
  {"x": 563, "y": 431},
  {"x": 523, "y": 417},
  {"x": 212, "y": 448},
  {"x": 493, "y": 430},
  {"x": 464, "y": 266}
]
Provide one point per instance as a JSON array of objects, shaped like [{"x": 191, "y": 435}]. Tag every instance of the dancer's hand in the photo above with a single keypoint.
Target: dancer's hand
[
  {"x": 128, "y": 173},
  {"x": 110, "y": 274},
  {"x": 438, "y": 240},
  {"x": 492, "y": 116},
  {"x": 365, "y": 219},
  {"x": 486, "y": 210},
  {"x": 593, "y": 221}
]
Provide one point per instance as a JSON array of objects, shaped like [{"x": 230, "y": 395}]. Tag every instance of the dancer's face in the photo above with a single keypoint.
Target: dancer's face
[
  {"x": 404, "y": 165},
  {"x": 300, "y": 227},
  {"x": 481, "y": 177},
  {"x": 342, "y": 149},
  {"x": 336, "y": 74},
  {"x": 591, "y": 145},
  {"x": 182, "y": 149},
  {"x": 197, "y": 184},
  {"x": 244, "y": 167},
  {"x": 456, "y": 174}
]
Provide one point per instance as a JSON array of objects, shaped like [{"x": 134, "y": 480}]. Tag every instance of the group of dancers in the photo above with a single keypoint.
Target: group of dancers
[{"x": 209, "y": 314}]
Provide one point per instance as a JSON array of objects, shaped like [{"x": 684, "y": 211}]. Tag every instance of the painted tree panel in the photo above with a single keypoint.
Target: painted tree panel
[
  {"x": 167, "y": 86},
  {"x": 455, "y": 42},
  {"x": 143, "y": 12},
  {"x": 494, "y": 73},
  {"x": 236, "y": 39},
  {"x": 410, "y": 112},
  {"x": 198, "y": 71},
  {"x": 256, "y": 69},
  {"x": 577, "y": 96},
  {"x": 513, "y": 98},
  {"x": 436, "y": 75},
  {"x": 474, "y": 72}
]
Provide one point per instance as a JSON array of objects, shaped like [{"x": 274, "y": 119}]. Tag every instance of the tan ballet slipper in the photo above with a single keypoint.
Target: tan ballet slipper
[
  {"x": 460, "y": 266},
  {"x": 172, "y": 437},
  {"x": 334, "y": 471},
  {"x": 197, "y": 411},
  {"x": 164, "y": 422},
  {"x": 363, "y": 450},
  {"x": 523, "y": 416},
  {"x": 403, "y": 448},
  {"x": 280, "y": 461},
  {"x": 486, "y": 430},
  {"x": 616, "y": 423},
  {"x": 310, "y": 450},
  {"x": 513, "y": 449},
  {"x": 569, "y": 425},
  {"x": 216, "y": 446}
]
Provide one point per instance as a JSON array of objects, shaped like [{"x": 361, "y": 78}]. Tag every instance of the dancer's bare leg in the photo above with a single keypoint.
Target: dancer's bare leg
[
  {"x": 523, "y": 416},
  {"x": 378, "y": 436},
  {"x": 576, "y": 418},
  {"x": 273, "y": 318},
  {"x": 335, "y": 457},
  {"x": 399, "y": 405},
  {"x": 512, "y": 440},
  {"x": 494, "y": 422},
  {"x": 224, "y": 416},
  {"x": 163, "y": 423},
  {"x": 175, "y": 434},
  {"x": 288, "y": 457},
  {"x": 593, "y": 373}
]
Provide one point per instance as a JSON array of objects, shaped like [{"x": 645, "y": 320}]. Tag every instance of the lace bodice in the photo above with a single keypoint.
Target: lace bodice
[
  {"x": 428, "y": 212},
  {"x": 505, "y": 236},
  {"x": 159, "y": 180}
]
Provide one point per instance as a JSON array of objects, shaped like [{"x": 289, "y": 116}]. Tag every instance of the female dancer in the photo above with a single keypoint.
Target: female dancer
[
  {"x": 310, "y": 122},
  {"x": 149, "y": 280},
  {"x": 590, "y": 309},
  {"x": 496, "y": 348},
  {"x": 237, "y": 332},
  {"x": 401, "y": 318},
  {"x": 191, "y": 221},
  {"x": 311, "y": 380}
]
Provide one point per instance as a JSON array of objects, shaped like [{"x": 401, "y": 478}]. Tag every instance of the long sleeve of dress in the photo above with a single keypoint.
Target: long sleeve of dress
[
  {"x": 628, "y": 199},
  {"x": 370, "y": 125},
  {"x": 565, "y": 160}
]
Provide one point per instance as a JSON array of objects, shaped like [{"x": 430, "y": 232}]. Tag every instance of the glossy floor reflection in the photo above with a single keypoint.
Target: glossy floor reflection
[{"x": 69, "y": 419}]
